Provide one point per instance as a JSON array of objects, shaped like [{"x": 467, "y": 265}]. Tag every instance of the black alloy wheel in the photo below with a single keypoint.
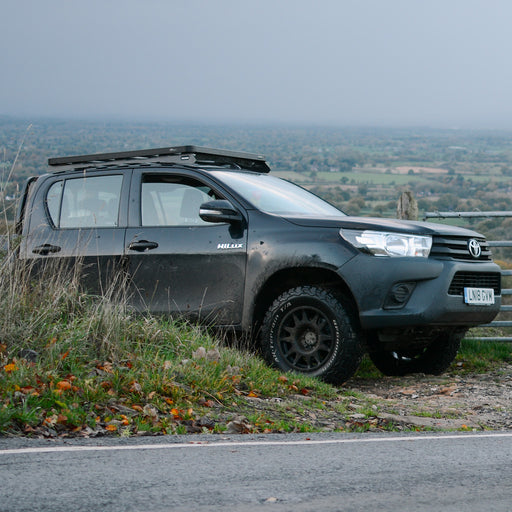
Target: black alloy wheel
[{"x": 309, "y": 330}]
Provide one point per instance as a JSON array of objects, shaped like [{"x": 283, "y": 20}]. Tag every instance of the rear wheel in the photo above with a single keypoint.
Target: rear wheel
[
  {"x": 310, "y": 330},
  {"x": 433, "y": 359}
]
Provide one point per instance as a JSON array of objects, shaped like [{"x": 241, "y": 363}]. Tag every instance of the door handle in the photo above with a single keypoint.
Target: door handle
[
  {"x": 46, "y": 249},
  {"x": 142, "y": 245}
]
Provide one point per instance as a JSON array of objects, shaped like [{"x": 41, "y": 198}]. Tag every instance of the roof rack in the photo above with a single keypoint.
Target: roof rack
[{"x": 178, "y": 154}]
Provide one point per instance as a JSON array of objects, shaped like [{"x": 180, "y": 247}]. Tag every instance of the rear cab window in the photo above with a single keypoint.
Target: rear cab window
[{"x": 85, "y": 202}]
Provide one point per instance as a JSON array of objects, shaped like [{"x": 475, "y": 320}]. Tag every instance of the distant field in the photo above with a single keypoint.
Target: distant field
[{"x": 376, "y": 177}]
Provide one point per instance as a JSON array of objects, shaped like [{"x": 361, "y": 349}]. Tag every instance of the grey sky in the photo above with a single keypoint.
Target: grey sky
[{"x": 344, "y": 62}]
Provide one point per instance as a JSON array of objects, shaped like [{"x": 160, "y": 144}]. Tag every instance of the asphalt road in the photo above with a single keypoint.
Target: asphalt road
[{"x": 331, "y": 472}]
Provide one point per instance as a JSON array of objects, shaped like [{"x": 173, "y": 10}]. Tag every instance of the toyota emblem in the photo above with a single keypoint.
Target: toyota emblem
[{"x": 474, "y": 248}]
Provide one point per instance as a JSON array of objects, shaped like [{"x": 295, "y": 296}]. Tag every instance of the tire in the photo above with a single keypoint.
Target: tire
[
  {"x": 309, "y": 330},
  {"x": 434, "y": 359}
]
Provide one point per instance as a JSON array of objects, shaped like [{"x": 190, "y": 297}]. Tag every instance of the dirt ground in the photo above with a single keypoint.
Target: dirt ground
[{"x": 450, "y": 401}]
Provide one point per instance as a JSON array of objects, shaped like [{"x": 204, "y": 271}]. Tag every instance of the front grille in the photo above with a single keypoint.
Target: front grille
[
  {"x": 457, "y": 248},
  {"x": 463, "y": 280}
]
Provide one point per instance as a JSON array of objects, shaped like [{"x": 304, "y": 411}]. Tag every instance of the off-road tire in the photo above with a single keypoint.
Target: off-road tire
[
  {"x": 434, "y": 359},
  {"x": 312, "y": 331}
]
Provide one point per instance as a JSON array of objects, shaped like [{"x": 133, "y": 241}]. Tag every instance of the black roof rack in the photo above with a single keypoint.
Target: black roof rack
[{"x": 178, "y": 154}]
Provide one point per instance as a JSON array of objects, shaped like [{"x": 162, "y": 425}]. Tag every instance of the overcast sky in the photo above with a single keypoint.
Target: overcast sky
[{"x": 440, "y": 63}]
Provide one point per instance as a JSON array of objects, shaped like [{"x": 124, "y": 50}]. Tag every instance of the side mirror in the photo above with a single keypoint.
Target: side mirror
[{"x": 219, "y": 210}]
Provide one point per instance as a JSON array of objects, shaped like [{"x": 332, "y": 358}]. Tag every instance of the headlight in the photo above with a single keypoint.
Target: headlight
[{"x": 380, "y": 243}]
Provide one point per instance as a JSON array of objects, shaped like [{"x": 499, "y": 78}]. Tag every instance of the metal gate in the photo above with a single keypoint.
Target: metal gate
[{"x": 505, "y": 292}]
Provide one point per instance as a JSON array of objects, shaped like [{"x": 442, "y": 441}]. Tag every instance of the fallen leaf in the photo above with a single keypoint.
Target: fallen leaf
[
  {"x": 62, "y": 419},
  {"x": 239, "y": 425},
  {"x": 135, "y": 387},
  {"x": 63, "y": 385},
  {"x": 176, "y": 414}
]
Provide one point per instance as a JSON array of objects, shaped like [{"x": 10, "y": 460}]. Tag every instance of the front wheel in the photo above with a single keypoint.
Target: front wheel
[
  {"x": 433, "y": 359},
  {"x": 309, "y": 330}
]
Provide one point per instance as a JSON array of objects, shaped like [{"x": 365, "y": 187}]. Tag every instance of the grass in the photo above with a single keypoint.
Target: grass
[
  {"x": 75, "y": 364},
  {"x": 72, "y": 364}
]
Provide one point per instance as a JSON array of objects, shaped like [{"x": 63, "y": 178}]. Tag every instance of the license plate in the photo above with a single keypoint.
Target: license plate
[{"x": 479, "y": 296}]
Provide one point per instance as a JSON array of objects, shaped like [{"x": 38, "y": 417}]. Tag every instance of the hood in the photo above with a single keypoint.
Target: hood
[{"x": 381, "y": 224}]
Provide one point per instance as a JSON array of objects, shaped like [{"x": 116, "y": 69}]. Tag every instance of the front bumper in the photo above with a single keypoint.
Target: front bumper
[{"x": 371, "y": 279}]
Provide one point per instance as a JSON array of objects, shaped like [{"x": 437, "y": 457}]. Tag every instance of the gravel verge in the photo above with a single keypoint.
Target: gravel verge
[{"x": 446, "y": 402}]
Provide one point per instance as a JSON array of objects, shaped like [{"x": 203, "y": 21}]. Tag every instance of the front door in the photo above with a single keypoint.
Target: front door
[{"x": 177, "y": 262}]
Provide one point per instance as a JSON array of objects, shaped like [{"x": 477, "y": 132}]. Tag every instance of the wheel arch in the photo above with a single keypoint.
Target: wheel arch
[{"x": 288, "y": 278}]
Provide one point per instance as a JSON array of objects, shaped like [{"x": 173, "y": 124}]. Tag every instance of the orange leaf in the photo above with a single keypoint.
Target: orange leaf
[
  {"x": 10, "y": 368},
  {"x": 169, "y": 401},
  {"x": 63, "y": 385},
  {"x": 137, "y": 408},
  {"x": 111, "y": 428},
  {"x": 253, "y": 394},
  {"x": 176, "y": 414},
  {"x": 63, "y": 356},
  {"x": 62, "y": 419}
]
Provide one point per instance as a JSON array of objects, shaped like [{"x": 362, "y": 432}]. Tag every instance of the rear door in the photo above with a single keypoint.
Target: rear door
[
  {"x": 79, "y": 218},
  {"x": 177, "y": 262}
]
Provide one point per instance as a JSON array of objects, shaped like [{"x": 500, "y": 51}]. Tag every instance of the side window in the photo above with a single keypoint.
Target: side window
[
  {"x": 87, "y": 202},
  {"x": 53, "y": 201},
  {"x": 173, "y": 201}
]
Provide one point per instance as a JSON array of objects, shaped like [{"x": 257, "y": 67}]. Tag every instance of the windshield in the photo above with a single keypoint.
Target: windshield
[{"x": 274, "y": 195}]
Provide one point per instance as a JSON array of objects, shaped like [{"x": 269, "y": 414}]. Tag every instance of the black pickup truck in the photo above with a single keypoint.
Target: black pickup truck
[{"x": 211, "y": 235}]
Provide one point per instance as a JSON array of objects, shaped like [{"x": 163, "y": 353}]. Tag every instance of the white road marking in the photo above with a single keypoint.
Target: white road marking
[{"x": 243, "y": 444}]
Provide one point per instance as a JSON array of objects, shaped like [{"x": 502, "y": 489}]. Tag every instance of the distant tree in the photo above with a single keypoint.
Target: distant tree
[
  {"x": 362, "y": 189},
  {"x": 447, "y": 202}
]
